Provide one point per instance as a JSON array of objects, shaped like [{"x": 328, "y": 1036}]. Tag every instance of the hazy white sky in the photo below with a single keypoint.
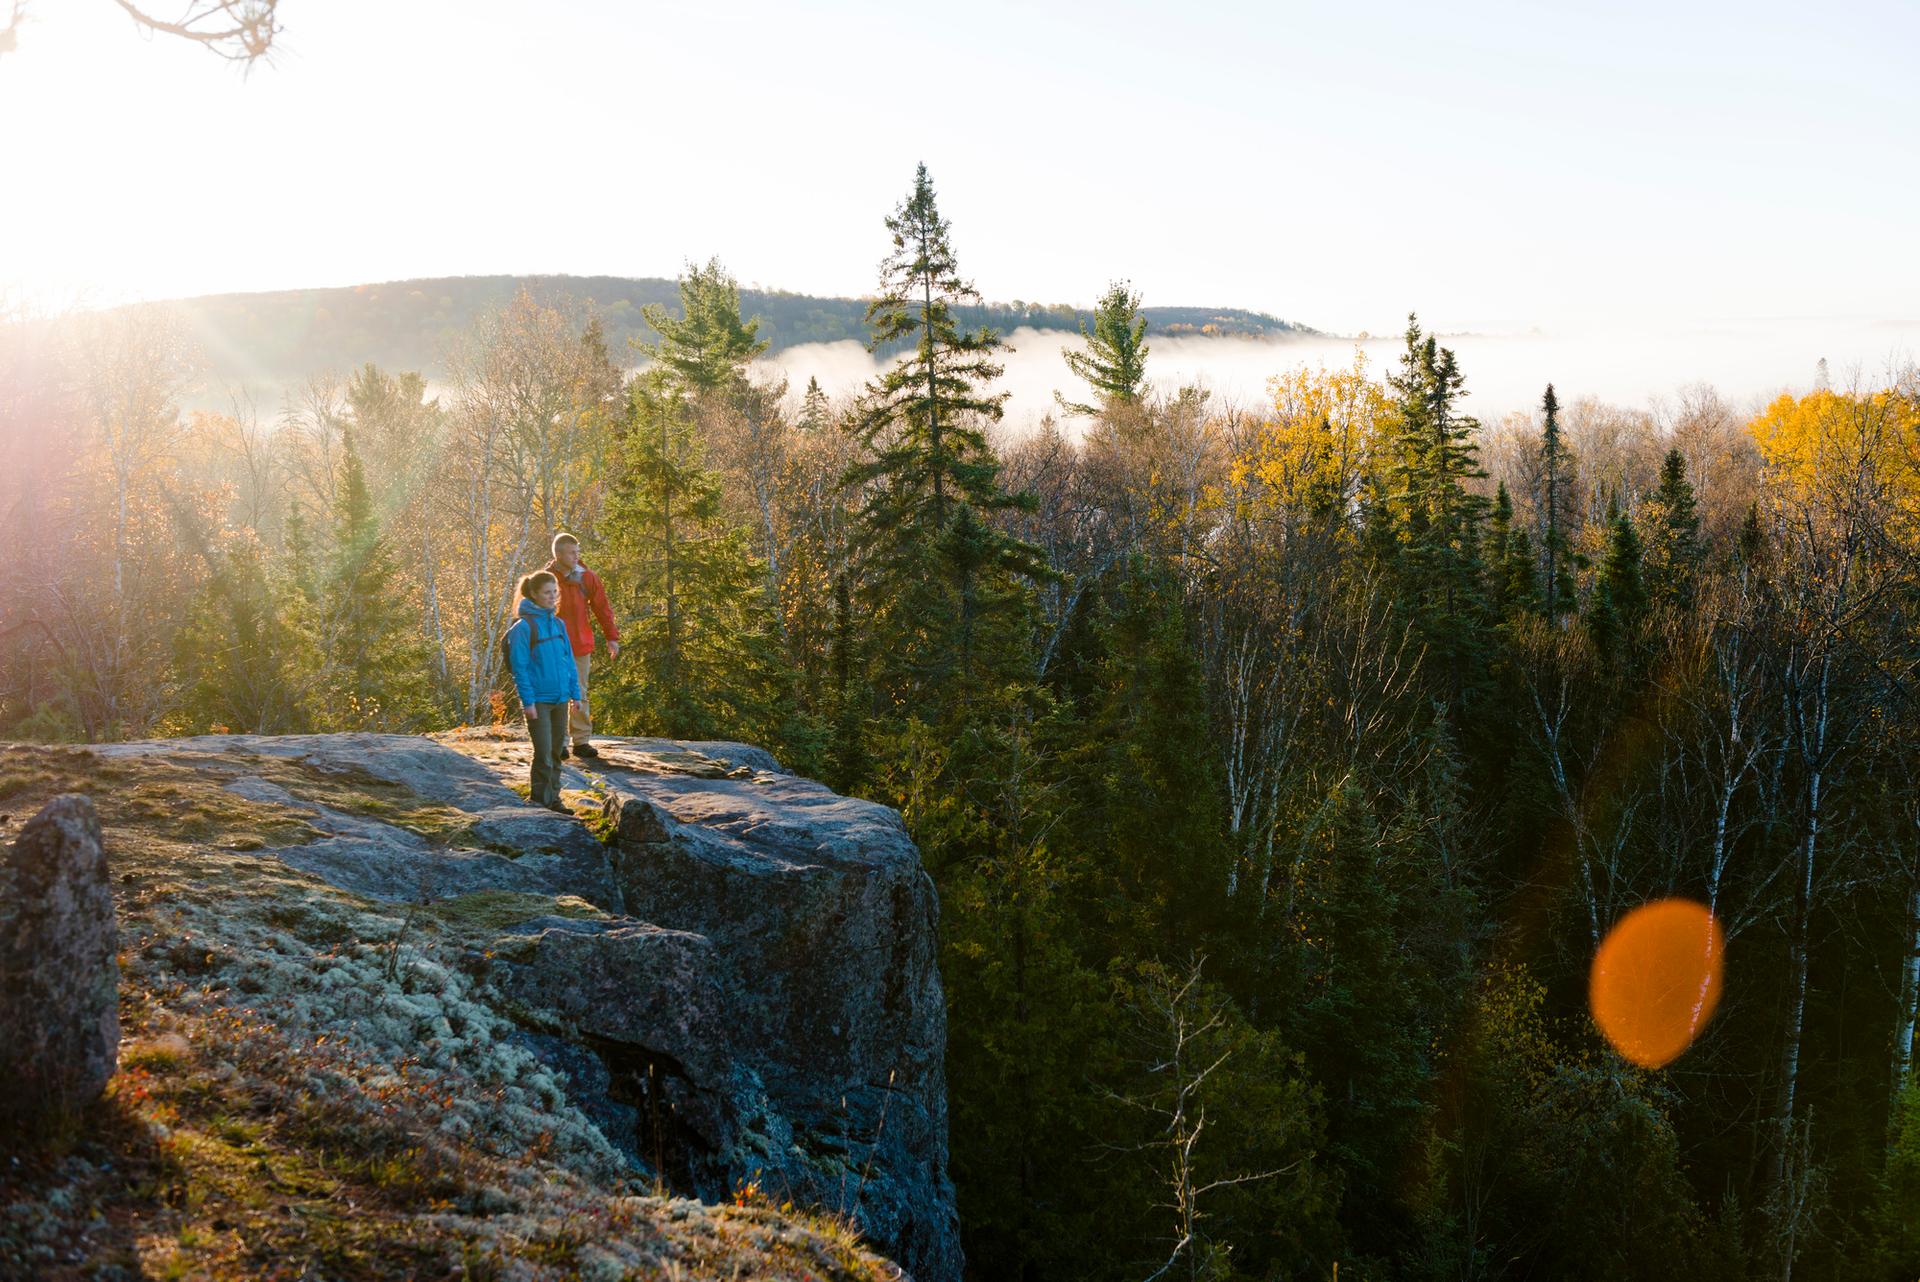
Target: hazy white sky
[{"x": 1499, "y": 167}]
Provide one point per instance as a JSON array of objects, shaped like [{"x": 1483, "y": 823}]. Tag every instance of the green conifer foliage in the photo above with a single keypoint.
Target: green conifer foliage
[
  {"x": 937, "y": 573},
  {"x": 243, "y": 653},
  {"x": 1674, "y": 552},
  {"x": 1163, "y": 857},
  {"x": 923, "y": 421},
  {"x": 815, "y": 415},
  {"x": 373, "y": 659},
  {"x": 707, "y": 347},
  {"x": 1115, "y": 362},
  {"x": 1436, "y": 519},
  {"x": 1358, "y": 1020},
  {"x": 1620, "y": 594},
  {"x": 1555, "y": 507},
  {"x": 698, "y": 662}
]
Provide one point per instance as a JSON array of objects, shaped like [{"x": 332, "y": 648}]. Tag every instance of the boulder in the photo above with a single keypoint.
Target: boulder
[{"x": 59, "y": 981}]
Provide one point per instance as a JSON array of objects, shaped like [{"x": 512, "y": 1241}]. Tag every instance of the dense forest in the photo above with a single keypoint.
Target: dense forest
[
  {"x": 260, "y": 343},
  {"x": 1281, "y": 767}
]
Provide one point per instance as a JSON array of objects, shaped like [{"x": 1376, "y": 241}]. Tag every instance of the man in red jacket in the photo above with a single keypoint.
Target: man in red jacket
[{"x": 581, "y": 591}]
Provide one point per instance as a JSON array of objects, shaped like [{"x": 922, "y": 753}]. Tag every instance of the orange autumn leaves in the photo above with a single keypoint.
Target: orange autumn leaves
[{"x": 1656, "y": 980}]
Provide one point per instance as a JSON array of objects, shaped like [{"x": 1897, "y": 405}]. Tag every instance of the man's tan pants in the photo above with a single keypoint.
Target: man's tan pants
[{"x": 580, "y": 719}]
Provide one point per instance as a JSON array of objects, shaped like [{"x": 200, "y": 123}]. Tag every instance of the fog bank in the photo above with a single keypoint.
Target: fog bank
[{"x": 1745, "y": 360}]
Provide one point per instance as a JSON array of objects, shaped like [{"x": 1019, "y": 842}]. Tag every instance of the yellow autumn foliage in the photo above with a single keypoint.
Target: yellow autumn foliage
[
  {"x": 1826, "y": 444},
  {"x": 1316, "y": 444}
]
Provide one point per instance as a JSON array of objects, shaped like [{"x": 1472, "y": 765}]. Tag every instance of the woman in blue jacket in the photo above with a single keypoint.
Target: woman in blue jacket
[{"x": 548, "y": 681}]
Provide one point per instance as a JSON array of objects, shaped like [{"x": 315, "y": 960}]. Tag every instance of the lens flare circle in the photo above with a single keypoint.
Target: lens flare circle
[{"x": 1656, "y": 980}]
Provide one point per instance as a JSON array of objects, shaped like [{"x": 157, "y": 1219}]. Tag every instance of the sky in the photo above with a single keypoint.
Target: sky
[{"x": 1544, "y": 170}]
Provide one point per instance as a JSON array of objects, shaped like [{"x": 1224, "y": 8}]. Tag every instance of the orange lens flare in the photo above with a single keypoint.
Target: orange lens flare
[{"x": 1656, "y": 980}]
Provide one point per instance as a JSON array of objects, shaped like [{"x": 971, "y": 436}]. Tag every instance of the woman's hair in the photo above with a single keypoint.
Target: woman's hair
[{"x": 532, "y": 583}]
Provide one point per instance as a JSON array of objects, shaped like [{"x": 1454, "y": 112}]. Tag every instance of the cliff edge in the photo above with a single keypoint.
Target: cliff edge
[{"x": 707, "y": 1012}]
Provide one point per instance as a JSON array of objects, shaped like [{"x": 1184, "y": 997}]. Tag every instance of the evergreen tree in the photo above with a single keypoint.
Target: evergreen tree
[
  {"x": 1522, "y": 593},
  {"x": 1358, "y": 1016},
  {"x": 699, "y": 661},
  {"x": 847, "y": 752},
  {"x": 1154, "y": 821},
  {"x": 1555, "y": 512},
  {"x": 1675, "y": 554},
  {"x": 937, "y": 570},
  {"x": 302, "y": 573},
  {"x": 1115, "y": 362},
  {"x": 708, "y": 346},
  {"x": 923, "y": 420},
  {"x": 1437, "y": 520},
  {"x": 815, "y": 415},
  {"x": 244, "y": 653},
  {"x": 1499, "y": 544},
  {"x": 1620, "y": 595},
  {"x": 374, "y": 663}
]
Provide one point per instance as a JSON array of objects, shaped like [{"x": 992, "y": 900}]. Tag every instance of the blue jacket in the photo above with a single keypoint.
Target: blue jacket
[{"x": 541, "y": 657}]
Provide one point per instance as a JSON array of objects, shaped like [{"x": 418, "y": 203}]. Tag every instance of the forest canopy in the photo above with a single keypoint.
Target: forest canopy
[{"x": 1282, "y": 766}]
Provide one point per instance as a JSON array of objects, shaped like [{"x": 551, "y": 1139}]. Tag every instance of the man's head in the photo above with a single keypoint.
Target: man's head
[{"x": 566, "y": 551}]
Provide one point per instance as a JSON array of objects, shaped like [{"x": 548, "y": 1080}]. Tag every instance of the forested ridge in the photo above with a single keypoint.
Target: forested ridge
[
  {"x": 260, "y": 342},
  {"x": 1281, "y": 766}
]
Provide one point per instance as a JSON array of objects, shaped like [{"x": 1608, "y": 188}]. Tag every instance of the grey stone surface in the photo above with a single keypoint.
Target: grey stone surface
[
  {"x": 763, "y": 1002},
  {"x": 826, "y": 923},
  {"x": 59, "y": 983}
]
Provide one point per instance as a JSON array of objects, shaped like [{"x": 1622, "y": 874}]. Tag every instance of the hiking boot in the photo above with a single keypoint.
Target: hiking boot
[
  {"x": 559, "y": 808},
  {"x": 585, "y": 750},
  {"x": 561, "y": 752}
]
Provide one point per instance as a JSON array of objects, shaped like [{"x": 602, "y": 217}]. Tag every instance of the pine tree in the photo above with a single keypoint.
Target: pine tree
[
  {"x": 937, "y": 569},
  {"x": 374, "y": 664},
  {"x": 1115, "y": 362},
  {"x": 1675, "y": 553},
  {"x": 1160, "y": 851},
  {"x": 1555, "y": 512},
  {"x": 1357, "y": 1017},
  {"x": 1437, "y": 520},
  {"x": 923, "y": 420},
  {"x": 243, "y": 653},
  {"x": 1522, "y": 592},
  {"x": 708, "y": 346},
  {"x": 1499, "y": 543},
  {"x": 302, "y": 573},
  {"x": 1620, "y": 594},
  {"x": 699, "y": 660},
  {"x": 815, "y": 415},
  {"x": 847, "y": 750}
]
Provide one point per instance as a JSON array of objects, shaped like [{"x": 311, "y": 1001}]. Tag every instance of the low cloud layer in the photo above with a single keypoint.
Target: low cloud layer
[{"x": 1745, "y": 360}]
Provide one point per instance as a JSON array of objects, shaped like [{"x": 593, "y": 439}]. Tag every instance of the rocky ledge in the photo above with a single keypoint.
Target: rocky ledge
[{"x": 719, "y": 982}]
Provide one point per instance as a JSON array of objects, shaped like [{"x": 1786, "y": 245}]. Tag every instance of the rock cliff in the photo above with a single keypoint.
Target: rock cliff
[{"x": 720, "y": 985}]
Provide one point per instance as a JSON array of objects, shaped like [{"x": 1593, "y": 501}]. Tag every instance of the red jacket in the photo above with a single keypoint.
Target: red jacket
[{"x": 576, "y": 595}]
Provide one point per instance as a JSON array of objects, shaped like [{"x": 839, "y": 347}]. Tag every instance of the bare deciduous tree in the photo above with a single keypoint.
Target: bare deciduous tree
[{"x": 241, "y": 31}]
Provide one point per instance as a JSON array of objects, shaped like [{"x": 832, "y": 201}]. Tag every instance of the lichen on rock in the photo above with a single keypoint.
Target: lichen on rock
[{"x": 724, "y": 981}]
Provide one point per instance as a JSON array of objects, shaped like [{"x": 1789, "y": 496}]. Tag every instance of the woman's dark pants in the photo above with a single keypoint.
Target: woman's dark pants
[{"x": 548, "y": 729}]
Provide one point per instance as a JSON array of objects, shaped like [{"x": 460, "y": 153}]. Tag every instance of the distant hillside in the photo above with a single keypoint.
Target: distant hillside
[{"x": 270, "y": 340}]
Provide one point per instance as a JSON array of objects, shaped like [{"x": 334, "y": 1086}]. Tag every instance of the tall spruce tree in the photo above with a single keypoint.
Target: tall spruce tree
[
  {"x": 930, "y": 481},
  {"x": 1555, "y": 509},
  {"x": 1115, "y": 362},
  {"x": 1674, "y": 552},
  {"x": 1437, "y": 519}
]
